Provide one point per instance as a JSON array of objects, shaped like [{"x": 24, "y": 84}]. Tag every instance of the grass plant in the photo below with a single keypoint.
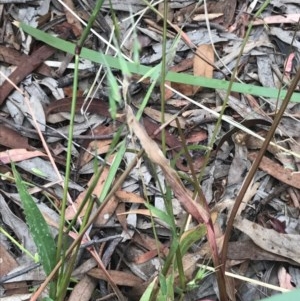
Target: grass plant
[{"x": 162, "y": 287}]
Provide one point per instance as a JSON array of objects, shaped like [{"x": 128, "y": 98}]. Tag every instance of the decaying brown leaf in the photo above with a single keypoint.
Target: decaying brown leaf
[
  {"x": 12, "y": 56},
  {"x": 12, "y": 139},
  {"x": 16, "y": 155},
  {"x": 72, "y": 20},
  {"x": 203, "y": 63},
  {"x": 286, "y": 245},
  {"x": 27, "y": 65},
  {"x": 119, "y": 277},
  {"x": 7, "y": 264},
  {"x": 84, "y": 289},
  {"x": 277, "y": 171},
  {"x": 156, "y": 115},
  {"x": 248, "y": 250},
  {"x": 129, "y": 197}
]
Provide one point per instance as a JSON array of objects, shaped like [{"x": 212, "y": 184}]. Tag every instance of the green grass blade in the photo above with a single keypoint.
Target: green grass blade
[
  {"x": 37, "y": 225},
  {"x": 166, "y": 291},
  {"x": 190, "y": 237},
  {"x": 113, "y": 171},
  {"x": 184, "y": 78},
  {"x": 16, "y": 243},
  {"x": 162, "y": 216},
  {"x": 147, "y": 293},
  {"x": 114, "y": 95}
]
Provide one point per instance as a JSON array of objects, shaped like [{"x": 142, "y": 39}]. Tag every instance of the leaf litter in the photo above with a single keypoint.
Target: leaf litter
[{"x": 267, "y": 226}]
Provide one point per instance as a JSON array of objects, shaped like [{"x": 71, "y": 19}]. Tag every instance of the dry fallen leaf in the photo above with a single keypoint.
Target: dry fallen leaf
[
  {"x": 284, "y": 278},
  {"x": 12, "y": 139},
  {"x": 156, "y": 115},
  {"x": 73, "y": 21},
  {"x": 129, "y": 197},
  {"x": 277, "y": 171},
  {"x": 7, "y": 264},
  {"x": 84, "y": 289},
  {"x": 286, "y": 245},
  {"x": 203, "y": 63},
  {"x": 119, "y": 277},
  {"x": 16, "y": 155},
  {"x": 70, "y": 211},
  {"x": 289, "y": 18}
]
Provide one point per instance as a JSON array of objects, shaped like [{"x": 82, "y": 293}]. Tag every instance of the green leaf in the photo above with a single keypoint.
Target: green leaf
[
  {"x": 113, "y": 170},
  {"x": 166, "y": 291},
  {"x": 37, "y": 225},
  {"x": 184, "y": 78},
  {"x": 114, "y": 95},
  {"x": 191, "y": 236},
  {"x": 47, "y": 299},
  {"x": 161, "y": 215},
  {"x": 163, "y": 284},
  {"x": 147, "y": 293},
  {"x": 201, "y": 274}
]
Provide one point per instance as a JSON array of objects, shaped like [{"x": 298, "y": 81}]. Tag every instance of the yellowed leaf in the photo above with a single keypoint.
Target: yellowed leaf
[
  {"x": 203, "y": 63},
  {"x": 130, "y": 197}
]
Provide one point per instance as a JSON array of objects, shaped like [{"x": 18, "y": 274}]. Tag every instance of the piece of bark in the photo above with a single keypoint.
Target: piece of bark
[
  {"x": 277, "y": 171},
  {"x": 25, "y": 67},
  {"x": 7, "y": 264},
  {"x": 14, "y": 57},
  {"x": 29, "y": 63},
  {"x": 12, "y": 139}
]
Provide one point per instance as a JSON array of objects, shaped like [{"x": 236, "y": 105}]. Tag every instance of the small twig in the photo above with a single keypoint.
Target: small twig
[
  {"x": 249, "y": 280},
  {"x": 10, "y": 276}
]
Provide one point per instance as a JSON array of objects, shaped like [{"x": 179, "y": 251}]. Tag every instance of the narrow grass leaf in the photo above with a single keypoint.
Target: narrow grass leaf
[
  {"x": 184, "y": 78},
  {"x": 163, "y": 284},
  {"x": 161, "y": 215},
  {"x": 191, "y": 236},
  {"x": 166, "y": 291},
  {"x": 114, "y": 95},
  {"x": 147, "y": 293},
  {"x": 113, "y": 170},
  {"x": 37, "y": 225}
]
